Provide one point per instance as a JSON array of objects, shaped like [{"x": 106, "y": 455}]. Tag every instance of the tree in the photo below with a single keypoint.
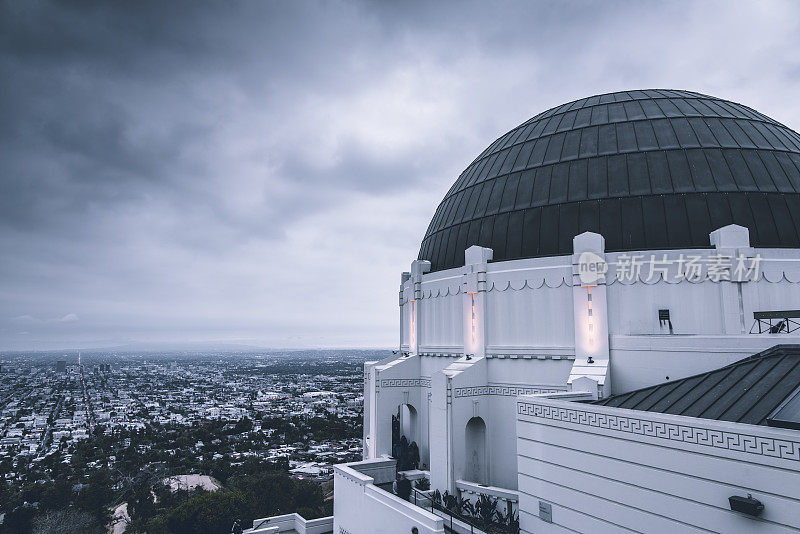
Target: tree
[{"x": 66, "y": 520}]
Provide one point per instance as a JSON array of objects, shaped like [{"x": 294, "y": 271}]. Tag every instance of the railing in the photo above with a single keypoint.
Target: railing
[
  {"x": 787, "y": 321},
  {"x": 425, "y": 502}
]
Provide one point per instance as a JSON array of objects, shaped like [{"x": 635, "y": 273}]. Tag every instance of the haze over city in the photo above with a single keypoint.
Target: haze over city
[{"x": 261, "y": 173}]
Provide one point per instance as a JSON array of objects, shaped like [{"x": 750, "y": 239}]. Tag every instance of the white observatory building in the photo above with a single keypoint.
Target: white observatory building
[{"x": 598, "y": 331}]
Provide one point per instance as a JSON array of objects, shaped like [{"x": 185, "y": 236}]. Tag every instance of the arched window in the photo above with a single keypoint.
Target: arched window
[{"x": 475, "y": 465}]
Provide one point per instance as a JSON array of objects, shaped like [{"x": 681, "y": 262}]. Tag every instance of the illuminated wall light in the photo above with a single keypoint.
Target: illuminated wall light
[
  {"x": 474, "y": 322},
  {"x": 590, "y": 314}
]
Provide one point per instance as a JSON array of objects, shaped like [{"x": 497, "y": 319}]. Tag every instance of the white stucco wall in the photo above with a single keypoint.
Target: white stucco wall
[
  {"x": 360, "y": 507},
  {"x": 613, "y": 470}
]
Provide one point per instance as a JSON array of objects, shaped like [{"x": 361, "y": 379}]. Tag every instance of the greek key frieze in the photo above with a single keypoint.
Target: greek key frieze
[
  {"x": 502, "y": 390},
  {"x": 709, "y": 437},
  {"x": 406, "y": 383}
]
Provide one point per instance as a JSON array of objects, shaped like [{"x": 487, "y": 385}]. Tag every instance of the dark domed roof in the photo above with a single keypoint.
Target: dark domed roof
[{"x": 648, "y": 170}]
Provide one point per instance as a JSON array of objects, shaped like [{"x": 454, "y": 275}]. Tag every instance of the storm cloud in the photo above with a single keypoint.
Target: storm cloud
[{"x": 261, "y": 172}]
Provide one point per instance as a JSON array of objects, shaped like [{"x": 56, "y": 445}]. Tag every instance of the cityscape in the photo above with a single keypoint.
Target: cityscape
[{"x": 123, "y": 421}]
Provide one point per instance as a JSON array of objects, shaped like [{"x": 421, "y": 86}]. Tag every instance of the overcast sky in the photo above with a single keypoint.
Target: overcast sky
[{"x": 262, "y": 172}]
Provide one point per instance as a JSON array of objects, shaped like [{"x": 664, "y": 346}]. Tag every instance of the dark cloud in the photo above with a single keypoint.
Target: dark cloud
[{"x": 262, "y": 171}]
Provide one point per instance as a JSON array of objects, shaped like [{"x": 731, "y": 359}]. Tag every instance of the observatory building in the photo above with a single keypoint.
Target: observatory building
[{"x": 597, "y": 334}]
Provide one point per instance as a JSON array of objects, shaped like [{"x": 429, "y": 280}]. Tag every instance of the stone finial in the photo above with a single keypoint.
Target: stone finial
[
  {"x": 476, "y": 254},
  {"x": 731, "y": 236}
]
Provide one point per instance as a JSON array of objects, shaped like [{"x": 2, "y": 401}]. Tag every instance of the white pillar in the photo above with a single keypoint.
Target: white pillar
[
  {"x": 732, "y": 241},
  {"x": 474, "y": 289},
  {"x": 403, "y": 312},
  {"x": 418, "y": 268},
  {"x": 590, "y": 311}
]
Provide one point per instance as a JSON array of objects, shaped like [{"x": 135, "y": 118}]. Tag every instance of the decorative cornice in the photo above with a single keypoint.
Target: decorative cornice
[
  {"x": 503, "y": 390},
  {"x": 406, "y": 383},
  {"x": 681, "y": 433}
]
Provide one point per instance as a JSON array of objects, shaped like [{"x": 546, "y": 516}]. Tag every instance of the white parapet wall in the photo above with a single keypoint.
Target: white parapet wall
[
  {"x": 588, "y": 468},
  {"x": 293, "y": 523},
  {"x": 361, "y": 507}
]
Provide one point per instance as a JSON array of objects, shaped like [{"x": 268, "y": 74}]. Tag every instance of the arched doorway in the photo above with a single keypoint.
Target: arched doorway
[
  {"x": 405, "y": 437},
  {"x": 475, "y": 464}
]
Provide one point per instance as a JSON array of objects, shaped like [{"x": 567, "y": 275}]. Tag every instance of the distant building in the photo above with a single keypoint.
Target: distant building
[{"x": 61, "y": 366}]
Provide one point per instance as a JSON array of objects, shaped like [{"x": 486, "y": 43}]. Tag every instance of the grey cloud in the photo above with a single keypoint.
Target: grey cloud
[{"x": 183, "y": 171}]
